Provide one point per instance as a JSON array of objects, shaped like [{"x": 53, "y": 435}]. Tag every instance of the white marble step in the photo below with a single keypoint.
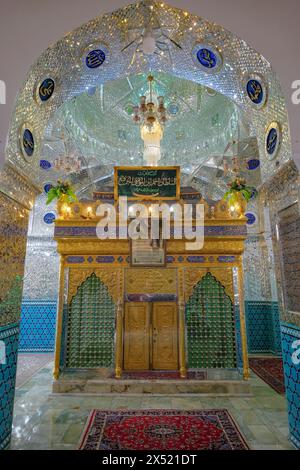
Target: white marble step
[{"x": 154, "y": 386}]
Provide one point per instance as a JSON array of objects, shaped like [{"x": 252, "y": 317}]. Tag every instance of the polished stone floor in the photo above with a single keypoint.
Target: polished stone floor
[
  {"x": 29, "y": 364},
  {"x": 46, "y": 421}
]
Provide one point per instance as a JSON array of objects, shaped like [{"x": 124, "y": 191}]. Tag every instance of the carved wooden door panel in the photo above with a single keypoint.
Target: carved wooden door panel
[
  {"x": 165, "y": 336},
  {"x": 136, "y": 336}
]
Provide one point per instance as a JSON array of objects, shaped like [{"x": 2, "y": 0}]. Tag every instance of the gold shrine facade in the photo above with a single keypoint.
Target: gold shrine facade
[{"x": 116, "y": 314}]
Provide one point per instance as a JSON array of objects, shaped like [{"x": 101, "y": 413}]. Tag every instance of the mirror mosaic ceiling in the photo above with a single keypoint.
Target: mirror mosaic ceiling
[{"x": 98, "y": 127}]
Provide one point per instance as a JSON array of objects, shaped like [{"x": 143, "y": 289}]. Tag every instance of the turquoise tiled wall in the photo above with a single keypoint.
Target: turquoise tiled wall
[
  {"x": 291, "y": 363},
  {"x": 38, "y": 318},
  {"x": 9, "y": 335},
  {"x": 37, "y": 327},
  {"x": 263, "y": 327}
]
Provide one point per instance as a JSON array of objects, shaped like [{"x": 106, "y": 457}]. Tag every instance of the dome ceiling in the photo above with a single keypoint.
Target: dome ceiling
[{"x": 98, "y": 127}]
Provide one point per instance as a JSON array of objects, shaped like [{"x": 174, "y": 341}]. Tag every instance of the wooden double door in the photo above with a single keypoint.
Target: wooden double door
[{"x": 150, "y": 336}]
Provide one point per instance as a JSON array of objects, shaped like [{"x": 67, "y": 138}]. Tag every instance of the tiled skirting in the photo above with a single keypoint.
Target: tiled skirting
[
  {"x": 37, "y": 328},
  {"x": 9, "y": 348},
  {"x": 263, "y": 327},
  {"x": 291, "y": 363},
  {"x": 37, "y": 331}
]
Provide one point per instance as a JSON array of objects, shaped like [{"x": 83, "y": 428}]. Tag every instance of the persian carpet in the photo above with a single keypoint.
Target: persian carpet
[
  {"x": 270, "y": 370},
  {"x": 164, "y": 375},
  {"x": 29, "y": 364},
  {"x": 161, "y": 430}
]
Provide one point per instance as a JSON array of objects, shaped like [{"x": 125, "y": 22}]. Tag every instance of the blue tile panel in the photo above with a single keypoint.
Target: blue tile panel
[
  {"x": 37, "y": 328},
  {"x": 277, "y": 348},
  {"x": 291, "y": 363},
  {"x": 263, "y": 327},
  {"x": 9, "y": 336}
]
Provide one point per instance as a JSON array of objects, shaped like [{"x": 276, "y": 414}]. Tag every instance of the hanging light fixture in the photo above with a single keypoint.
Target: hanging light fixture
[
  {"x": 69, "y": 162},
  {"x": 151, "y": 115},
  {"x": 152, "y": 137}
]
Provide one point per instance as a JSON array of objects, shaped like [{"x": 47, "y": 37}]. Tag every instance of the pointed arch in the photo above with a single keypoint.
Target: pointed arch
[
  {"x": 210, "y": 326},
  {"x": 90, "y": 326}
]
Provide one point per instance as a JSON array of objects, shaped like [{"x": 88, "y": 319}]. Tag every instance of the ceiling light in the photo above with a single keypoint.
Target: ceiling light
[{"x": 151, "y": 114}]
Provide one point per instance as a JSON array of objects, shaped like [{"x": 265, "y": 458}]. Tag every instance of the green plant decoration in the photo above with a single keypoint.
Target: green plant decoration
[
  {"x": 238, "y": 188},
  {"x": 62, "y": 191}
]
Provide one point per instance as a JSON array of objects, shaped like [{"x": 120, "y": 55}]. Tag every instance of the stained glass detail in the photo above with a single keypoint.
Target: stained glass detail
[
  {"x": 91, "y": 326},
  {"x": 210, "y": 326}
]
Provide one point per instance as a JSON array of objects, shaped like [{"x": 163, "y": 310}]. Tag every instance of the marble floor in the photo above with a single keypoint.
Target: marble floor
[
  {"x": 29, "y": 364},
  {"x": 46, "y": 421}
]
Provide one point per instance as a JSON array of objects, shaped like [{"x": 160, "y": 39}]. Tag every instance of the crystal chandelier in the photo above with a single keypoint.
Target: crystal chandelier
[
  {"x": 67, "y": 164},
  {"x": 151, "y": 115}
]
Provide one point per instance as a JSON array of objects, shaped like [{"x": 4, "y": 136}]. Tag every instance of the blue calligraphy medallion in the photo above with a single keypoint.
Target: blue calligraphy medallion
[
  {"x": 28, "y": 142},
  {"x": 207, "y": 58},
  {"x": 251, "y": 218},
  {"x": 46, "y": 89},
  {"x": 255, "y": 91},
  {"x": 253, "y": 164},
  {"x": 95, "y": 58},
  {"x": 49, "y": 218},
  {"x": 272, "y": 141},
  {"x": 45, "y": 165}
]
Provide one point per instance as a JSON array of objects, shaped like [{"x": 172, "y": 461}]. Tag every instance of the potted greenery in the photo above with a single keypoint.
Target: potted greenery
[
  {"x": 63, "y": 192},
  {"x": 238, "y": 195}
]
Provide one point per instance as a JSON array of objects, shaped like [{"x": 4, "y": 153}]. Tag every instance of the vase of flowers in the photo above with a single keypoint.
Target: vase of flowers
[
  {"x": 238, "y": 195},
  {"x": 63, "y": 192}
]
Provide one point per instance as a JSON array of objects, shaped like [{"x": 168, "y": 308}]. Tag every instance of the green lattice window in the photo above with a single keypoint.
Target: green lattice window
[
  {"x": 210, "y": 326},
  {"x": 91, "y": 326}
]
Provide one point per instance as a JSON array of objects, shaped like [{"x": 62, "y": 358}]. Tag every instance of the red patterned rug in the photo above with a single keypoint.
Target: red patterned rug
[
  {"x": 161, "y": 430},
  {"x": 270, "y": 370},
  {"x": 164, "y": 375}
]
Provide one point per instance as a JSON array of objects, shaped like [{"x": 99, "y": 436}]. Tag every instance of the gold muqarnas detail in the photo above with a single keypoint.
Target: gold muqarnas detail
[
  {"x": 109, "y": 277},
  {"x": 193, "y": 275}
]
